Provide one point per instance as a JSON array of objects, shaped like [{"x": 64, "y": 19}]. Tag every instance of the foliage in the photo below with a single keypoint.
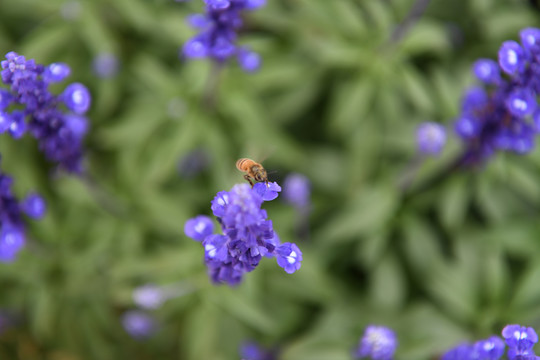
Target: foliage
[{"x": 334, "y": 100}]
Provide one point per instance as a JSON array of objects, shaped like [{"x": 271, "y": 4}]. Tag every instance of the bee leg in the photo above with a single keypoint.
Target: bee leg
[{"x": 248, "y": 178}]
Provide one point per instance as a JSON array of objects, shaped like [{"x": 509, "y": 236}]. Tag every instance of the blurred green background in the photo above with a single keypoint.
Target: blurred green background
[{"x": 335, "y": 100}]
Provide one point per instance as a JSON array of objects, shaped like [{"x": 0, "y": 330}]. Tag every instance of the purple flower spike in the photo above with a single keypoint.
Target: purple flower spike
[
  {"x": 247, "y": 234},
  {"x": 34, "y": 206},
  {"x": 511, "y": 57},
  {"x": 199, "y": 227},
  {"x": 377, "y": 343},
  {"x": 139, "y": 324},
  {"x": 487, "y": 71},
  {"x": 59, "y": 135},
  {"x": 289, "y": 257},
  {"x": 503, "y": 114},
  {"x": 431, "y": 138},
  {"x": 56, "y": 72},
  {"x": 218, "y": 33},
  {"x": 77, "y": 98}
]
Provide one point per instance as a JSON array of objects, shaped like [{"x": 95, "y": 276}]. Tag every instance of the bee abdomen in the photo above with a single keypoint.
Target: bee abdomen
[{"x": 243, "y": 164}]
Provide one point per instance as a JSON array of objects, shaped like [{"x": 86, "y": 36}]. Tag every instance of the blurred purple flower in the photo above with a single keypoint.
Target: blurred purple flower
[
  {"x": 219, "y": 32},
  {"x": 297, "y": 190},
  {"x": 431, "y": 138},
  {"x": 139, "y": 324},
  {"x": 105, "y": 65},
  {"x": 377, "y": 343}
]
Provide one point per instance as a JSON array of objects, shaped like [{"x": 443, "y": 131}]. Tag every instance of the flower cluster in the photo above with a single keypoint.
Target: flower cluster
[
  {"x": 377, "y": 343},
  {"x": 37, "y": 111},
  {"x": 503, "y": 113},
  {"x": 218, "y": 32},
  {"x": 488, "y": 349},
  {"x": 12, "y": 237},
  {"x": 247, "y": 234},
  {"x": 520, "y": 341}
]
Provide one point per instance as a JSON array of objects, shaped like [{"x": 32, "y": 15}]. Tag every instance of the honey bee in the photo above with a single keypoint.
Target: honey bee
[{"x": 253, "y": 170}]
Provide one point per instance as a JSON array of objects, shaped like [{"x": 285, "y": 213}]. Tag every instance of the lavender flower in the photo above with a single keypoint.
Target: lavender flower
[
  {"x": 139, "y": 324},
  {"x": 520, "y": 341},
  {"x": 500, "y": 116},
  {"x": 461, "y": 352},
  {"x": 488, "y": 349},
  {"x": 12, "y": 237},
  {"x": 59, "y": 132},
  {"x": 252, "y": 351},
  {"x": 377, "y": 343},
  {"x": 149, "y": 296},
  {"x": 297, "y": 190},
  {"x": 218, "y": 33},
  {"x": 105, "y": 65},
  {"x": 247, "y": 234},
  {"x": 431, "y": 138}
]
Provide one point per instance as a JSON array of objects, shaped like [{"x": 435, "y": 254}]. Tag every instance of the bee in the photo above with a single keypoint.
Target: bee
[{"x": 253, "y": 170}]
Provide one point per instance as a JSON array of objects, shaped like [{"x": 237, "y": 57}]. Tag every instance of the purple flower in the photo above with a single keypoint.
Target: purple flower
[
  {"x": 297, "y": 190},
  {"x": 77, "y": 98},
  {"x": 105, "y": 65},
  {"x": 520, "y": 339},
  {"x": 247, "y": 234},
  {"x": 34, "y": 206},
  {"x": 461, "y": 352},
  {"x": 199, "y": 227},
  {"x": 289, "y": 257},
  {"x": 490, "y": 349},
  {"x": 377, "y": 343},
  {"x": 218, "y": 33},
  {"x": 139, "y": 324},
  {"x": 12, "y": 240},
  {"x": 12, "y": 237},
  {"x": 267, "y": 191},
  {"x": 487, "y": 71},
  {"x": 149, "y": 296},
  {"x": 511, "y": 57},
  {"x": 501, "y": 116},
  {"x": 431, "y": 138},
  {"x": 59, "y": 133},
  {"x": 56, "y": 72},
  {"x": 252, "y": 351}
]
